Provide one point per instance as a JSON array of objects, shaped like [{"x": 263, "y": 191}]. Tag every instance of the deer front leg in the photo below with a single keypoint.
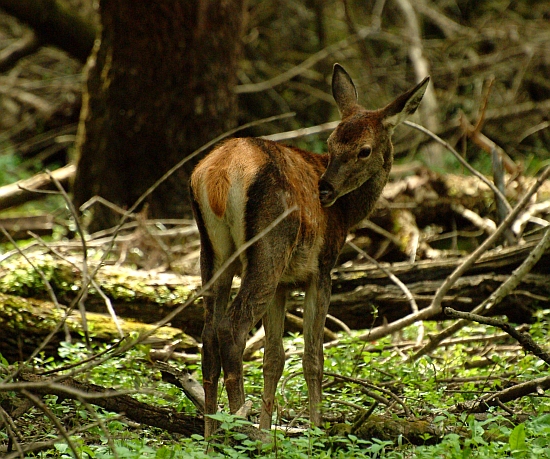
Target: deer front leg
[
  {"x": 274, "y": 354},
  {"x": 315, "y": 311}
]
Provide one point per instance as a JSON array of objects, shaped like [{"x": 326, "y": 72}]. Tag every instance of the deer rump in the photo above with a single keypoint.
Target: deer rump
[{"x": 246, "y": 184}]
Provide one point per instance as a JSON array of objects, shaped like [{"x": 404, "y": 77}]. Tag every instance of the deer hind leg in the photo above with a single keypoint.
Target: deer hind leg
[
  {"x": 274, "y": 354},
  {"x": 262, "y": 269},
  {"x": 215, "y": 305},
  {"x": 316, "y": 304}
]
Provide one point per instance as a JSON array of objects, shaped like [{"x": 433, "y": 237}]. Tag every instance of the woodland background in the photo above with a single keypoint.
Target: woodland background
[{"x": 68, "y": 277}]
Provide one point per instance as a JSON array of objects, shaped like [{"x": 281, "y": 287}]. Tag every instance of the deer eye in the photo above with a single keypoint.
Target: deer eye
[{"x": 364, "y": 152}]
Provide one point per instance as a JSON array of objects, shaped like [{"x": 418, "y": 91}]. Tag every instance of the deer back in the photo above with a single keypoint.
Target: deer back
[{"x": 244, "y": 184}]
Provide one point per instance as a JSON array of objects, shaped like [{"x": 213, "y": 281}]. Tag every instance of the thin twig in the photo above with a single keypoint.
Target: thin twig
[
  {"x": 84, "y": 270},
  {"x": 302, "y": 132},
  {"x": 13, "y": 432},
  {"x": 486, "y": 306},
  {"x": 106, "y": 299},
  {"x": 461, "y": 160},
  {"x": 524, "y": 339},
  {"x": 395, "y": 280},
  {"x": 42, "y": 406},
  {"x": 340, "y": 323},
  {"x": 101, "y": 423},
  {"x": 308, "y": 63},
  {"x": 364, "y": 383}
]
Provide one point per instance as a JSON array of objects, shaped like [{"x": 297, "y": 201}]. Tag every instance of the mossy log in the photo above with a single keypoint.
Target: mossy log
[
  {"x": 362, "y": 296},
  {"x": 26, "y": 322},
  {"x": 136, "y": 294},
  {"x": 413, "y": 431}
]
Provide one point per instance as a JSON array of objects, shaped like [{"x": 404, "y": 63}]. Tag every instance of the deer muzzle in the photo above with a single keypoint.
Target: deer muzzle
[{"x": 327, "y": 194}]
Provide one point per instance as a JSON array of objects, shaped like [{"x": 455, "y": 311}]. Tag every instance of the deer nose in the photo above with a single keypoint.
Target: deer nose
[{"x": 326, "y": 192}]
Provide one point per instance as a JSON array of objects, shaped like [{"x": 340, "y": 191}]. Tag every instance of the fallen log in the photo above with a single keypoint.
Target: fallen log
[
  {"x": 168, "y": 419},
  {"x": 26, "y": 322},
  {"x": 384, "y": 427},
  {"x": 362, "y": 297}
]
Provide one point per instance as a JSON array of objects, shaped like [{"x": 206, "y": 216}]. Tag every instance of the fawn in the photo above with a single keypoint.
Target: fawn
[{"x": 241, "y": 187}]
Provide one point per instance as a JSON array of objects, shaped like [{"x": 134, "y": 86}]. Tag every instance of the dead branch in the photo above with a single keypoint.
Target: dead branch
[
  {"x": 183, "y": 379},
  {"x": 164, "y": 418},
  {"x": 26, "y": 190},
  {"x": 486, "y": 144},
  {"x": 524, "y": 339},
  {"x": 486, "y": 306},
  {"x": 534, "y": 386},
  {"x": 485, "y": 224},
  {"x": 27, "y": 45}
]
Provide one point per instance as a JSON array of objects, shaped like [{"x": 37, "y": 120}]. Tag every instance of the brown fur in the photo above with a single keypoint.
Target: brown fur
[
  {"x": 218, "y": 169},
  {"x": 243, "y": 186}
]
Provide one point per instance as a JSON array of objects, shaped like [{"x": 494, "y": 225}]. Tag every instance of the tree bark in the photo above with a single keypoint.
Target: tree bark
[{"x": 160, "y": 85}]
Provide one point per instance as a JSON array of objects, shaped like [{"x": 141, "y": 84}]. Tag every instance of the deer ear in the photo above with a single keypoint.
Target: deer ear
[
  {"x": 405, "y": 105},
  {"x": 343, "y": 91}
]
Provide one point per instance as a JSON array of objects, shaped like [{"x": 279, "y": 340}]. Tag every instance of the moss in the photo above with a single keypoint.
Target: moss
[
  {"x": 19, "y": 277},
  {"x": 36, "y": 318}
]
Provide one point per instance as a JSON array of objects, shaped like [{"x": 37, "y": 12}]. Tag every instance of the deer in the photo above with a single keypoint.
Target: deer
[{"x": 237, "y": 191}]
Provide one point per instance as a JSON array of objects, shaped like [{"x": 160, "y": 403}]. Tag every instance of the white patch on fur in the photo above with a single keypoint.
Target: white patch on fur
[
  {"x": 228, "y": 232},
  {"x": 218, "y": 230}
]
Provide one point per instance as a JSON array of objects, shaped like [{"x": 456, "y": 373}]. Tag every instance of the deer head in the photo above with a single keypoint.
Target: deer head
[{"x": 361, "y": 144}]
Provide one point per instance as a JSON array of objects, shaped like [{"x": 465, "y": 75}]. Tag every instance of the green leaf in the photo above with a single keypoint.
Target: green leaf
[{"x": 517, "y": 438}]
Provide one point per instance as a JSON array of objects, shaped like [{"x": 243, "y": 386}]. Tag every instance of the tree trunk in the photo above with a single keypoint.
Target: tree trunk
[{"x": 160, "y": 85}]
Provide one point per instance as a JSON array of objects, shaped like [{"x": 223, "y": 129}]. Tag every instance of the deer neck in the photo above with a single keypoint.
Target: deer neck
[{"x": 359, "y": 203}]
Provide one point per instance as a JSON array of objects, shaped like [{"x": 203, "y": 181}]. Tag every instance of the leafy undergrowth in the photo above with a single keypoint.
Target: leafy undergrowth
[{"x": 481, "y": 360}]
